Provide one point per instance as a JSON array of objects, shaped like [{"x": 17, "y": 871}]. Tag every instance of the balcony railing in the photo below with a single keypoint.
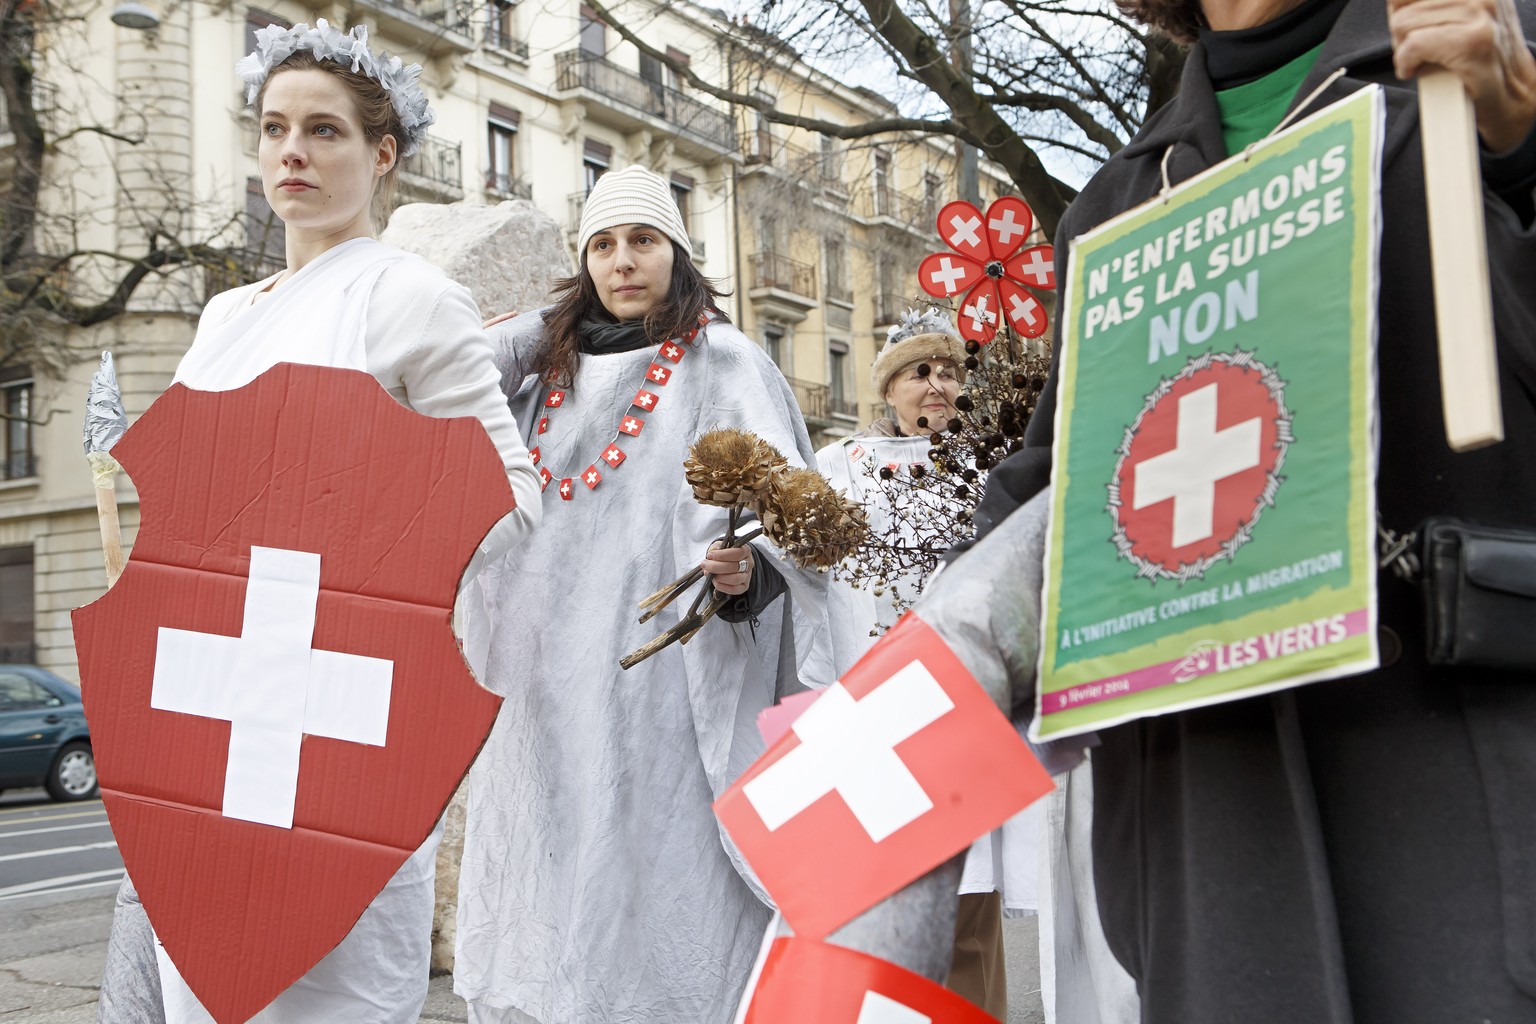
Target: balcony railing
[
  {"x": 771, "y": 270},
  {"x": 508, "y": 185},
  {"x": 893, "y": 204},
  {"x": 841, "y": 405},
  {"x": 437, "y": 163},
  {"x": 815, "y": 400},
  {"x": 497, "y": 39},
  {"x": 578, "y": 70},
  {"x": 452, "y": 16},
  {"x": 761, "y": 148}
]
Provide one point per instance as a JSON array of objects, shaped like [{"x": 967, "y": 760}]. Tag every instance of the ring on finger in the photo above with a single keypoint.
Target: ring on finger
[{"x": 741, "y": 566}]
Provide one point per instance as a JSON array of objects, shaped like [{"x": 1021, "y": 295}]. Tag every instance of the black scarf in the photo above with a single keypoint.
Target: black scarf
[
  {"x": 1245, "y": 55},
  {"x": 604, "y": 337}
]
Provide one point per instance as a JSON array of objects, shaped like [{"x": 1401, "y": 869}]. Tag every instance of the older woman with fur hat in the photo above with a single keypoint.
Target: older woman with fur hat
[{"x": 919, "y": 371}]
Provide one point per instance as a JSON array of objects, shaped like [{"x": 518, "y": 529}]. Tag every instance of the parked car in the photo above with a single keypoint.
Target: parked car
[{"x": 43, "y": 737}]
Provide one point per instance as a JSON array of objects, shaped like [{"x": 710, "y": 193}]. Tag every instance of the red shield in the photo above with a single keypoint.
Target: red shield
[{"x": 318, "y": 464}]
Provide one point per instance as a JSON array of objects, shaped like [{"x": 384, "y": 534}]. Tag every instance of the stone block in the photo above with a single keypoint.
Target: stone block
[{"x": 509, "y": 256}]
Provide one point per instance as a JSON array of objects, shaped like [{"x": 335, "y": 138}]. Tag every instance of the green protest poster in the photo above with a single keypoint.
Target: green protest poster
[{"x": 1213, "y": 518}]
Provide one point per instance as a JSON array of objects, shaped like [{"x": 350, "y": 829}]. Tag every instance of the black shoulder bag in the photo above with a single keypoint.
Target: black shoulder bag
[{"x": 1479, "y": 589}]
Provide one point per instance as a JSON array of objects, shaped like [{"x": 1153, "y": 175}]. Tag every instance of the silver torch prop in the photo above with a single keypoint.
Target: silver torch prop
[{"x": 105, "y": 422}]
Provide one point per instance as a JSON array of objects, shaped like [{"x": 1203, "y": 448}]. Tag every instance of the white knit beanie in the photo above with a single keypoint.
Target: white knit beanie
[
  {"x": 632, "y": 196},
  {"x": 913, "y": 338}
]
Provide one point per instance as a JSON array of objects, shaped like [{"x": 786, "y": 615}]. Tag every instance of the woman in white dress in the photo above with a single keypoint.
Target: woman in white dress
[
  {"x": 334, "y": 118},
  {"x": 595, "y": 886}
]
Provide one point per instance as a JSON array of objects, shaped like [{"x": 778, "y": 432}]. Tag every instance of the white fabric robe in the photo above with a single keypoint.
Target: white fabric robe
[
  {"x": 366, "y": 306},
  {"x": 596, "y": 886}
]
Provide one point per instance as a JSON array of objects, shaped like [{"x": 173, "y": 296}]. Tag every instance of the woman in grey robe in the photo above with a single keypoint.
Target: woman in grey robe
[{"x": 595, "y": 885}]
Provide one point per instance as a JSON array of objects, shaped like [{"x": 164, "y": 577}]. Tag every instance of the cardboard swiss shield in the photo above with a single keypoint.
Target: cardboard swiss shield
[{"x": 306, "y": 522}]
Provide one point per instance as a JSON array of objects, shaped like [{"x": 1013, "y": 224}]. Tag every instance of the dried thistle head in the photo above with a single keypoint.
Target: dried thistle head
[
  {"x": 813, "y": 522},
  {"x": 731, "y": 468}
]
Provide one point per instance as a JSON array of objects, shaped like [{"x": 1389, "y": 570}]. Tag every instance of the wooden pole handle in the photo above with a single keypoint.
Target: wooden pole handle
[
  {"x": 103, "y": 472},
  {"x": 1469, "y": 371},
  {"x": 111, "y": 533}
]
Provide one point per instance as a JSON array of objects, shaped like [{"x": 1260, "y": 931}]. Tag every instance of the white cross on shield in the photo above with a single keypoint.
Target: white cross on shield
[{"x": 272, "y": 686}]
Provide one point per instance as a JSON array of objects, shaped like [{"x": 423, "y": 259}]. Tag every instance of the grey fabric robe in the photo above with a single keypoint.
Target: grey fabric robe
[{"x": 595, "y": 885}]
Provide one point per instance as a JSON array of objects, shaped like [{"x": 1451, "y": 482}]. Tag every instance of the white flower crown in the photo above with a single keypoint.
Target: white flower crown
[
  {"x": 401, "y": 82},
  {"x": 914, "y": 322}
]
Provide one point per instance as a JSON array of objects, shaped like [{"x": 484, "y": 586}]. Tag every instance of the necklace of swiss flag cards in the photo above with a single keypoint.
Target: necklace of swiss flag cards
[{"x": 630, "y": 424}]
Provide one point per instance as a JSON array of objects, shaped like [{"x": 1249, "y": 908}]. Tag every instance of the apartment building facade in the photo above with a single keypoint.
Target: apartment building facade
[{"x": 817, "y": 239}]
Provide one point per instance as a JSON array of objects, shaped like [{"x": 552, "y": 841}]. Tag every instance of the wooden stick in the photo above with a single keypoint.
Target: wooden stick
[
  {"x": 715, "y": 604},
  {"x": 103, "y": 470},
  {"x": 672, "y": 591},
  {"x": 666, "y": 595},
  {"x": 1469, "y": 372}
]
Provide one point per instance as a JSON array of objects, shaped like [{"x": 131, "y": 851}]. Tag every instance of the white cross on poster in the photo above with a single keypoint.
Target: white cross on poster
[{"x": 1201, "y": 457}]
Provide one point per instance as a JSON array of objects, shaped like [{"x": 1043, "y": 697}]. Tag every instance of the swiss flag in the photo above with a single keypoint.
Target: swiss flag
[
  {"x": 632, "y": 425},
  {"x": 645, "y": 400},
  {"x": 533, "y": 453},
  {"x": 591, "y": 477},
  {"x": 894, "y": 769},
  {"x": 613, "y": 455},
  {"x": 658, "y": 374},
  {"x": 545, "y": 476},
  {"x": 810, "y": 982},
  {"x": 565, "y": 489},
  {"x": 543, "y": 424},
  {"x": 672, "y": 352},
  {"x": 555, "y": 399}
]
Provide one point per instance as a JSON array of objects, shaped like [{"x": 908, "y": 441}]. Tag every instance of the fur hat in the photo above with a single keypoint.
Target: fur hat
[
  {"x": 632, "y": 196},
  {"x": 914, "y": 337}
]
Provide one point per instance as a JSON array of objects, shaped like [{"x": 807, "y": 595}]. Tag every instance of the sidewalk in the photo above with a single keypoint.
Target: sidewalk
[{"x": 51, "y": 954}]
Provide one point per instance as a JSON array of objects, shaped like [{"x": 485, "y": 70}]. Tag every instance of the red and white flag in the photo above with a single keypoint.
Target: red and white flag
[
  {"x": 895, "y": 768},
  {"x": 808, "y": 982}
]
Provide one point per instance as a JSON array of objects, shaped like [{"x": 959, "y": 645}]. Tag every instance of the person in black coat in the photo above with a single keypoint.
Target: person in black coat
[{"x": 1359, "y": 851}]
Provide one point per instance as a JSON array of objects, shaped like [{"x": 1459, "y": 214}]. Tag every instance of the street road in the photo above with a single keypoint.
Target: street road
[{"x": 48, "y": 848}]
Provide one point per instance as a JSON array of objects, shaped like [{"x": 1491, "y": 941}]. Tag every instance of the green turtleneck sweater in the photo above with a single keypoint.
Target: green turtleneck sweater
[{"x": 1250, "y": 111}]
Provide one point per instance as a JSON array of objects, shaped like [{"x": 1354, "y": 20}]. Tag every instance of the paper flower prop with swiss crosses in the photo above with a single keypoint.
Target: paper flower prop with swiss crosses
[{"x": 992, "y": 267}]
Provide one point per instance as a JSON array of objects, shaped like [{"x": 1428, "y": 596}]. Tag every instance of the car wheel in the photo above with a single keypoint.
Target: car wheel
[{"x": 73, "y": 775}]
